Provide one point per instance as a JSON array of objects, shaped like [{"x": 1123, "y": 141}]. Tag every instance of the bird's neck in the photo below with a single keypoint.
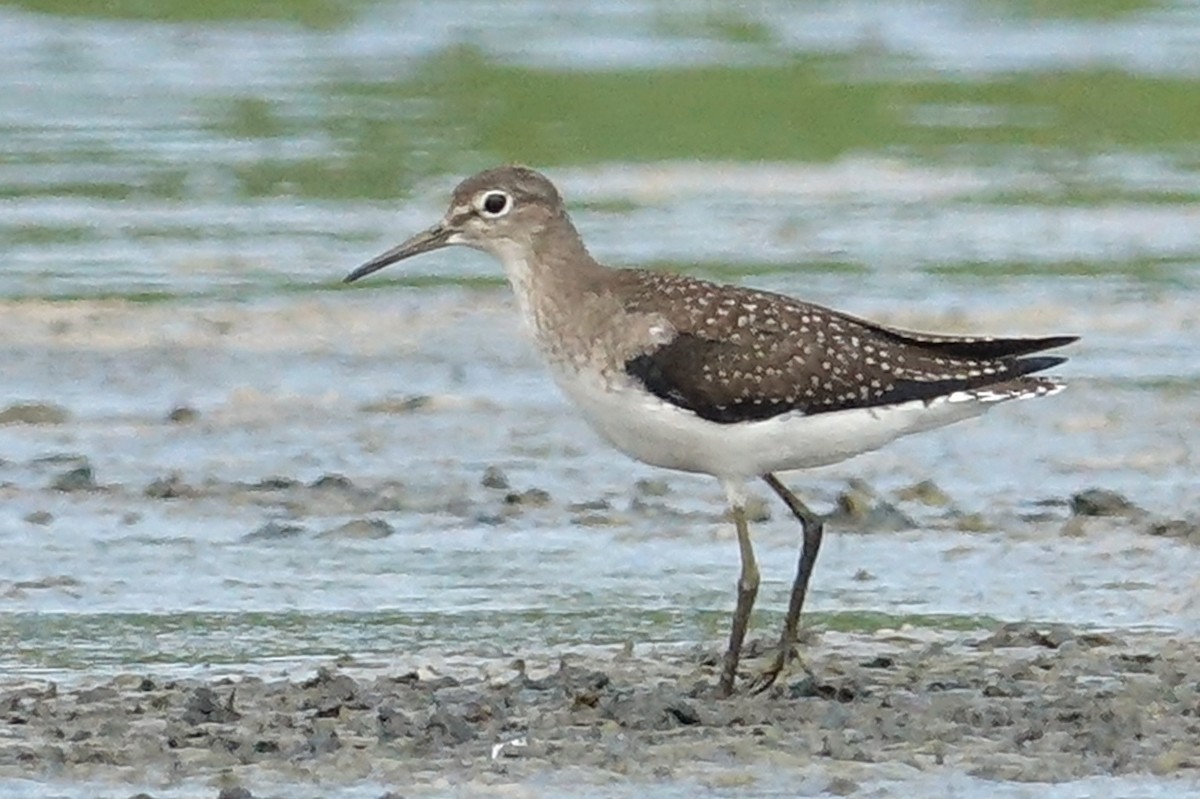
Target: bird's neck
[{"x": 549, "y": 271}]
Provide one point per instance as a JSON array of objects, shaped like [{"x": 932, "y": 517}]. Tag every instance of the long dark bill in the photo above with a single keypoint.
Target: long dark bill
[{"x": 433, "y": 239}]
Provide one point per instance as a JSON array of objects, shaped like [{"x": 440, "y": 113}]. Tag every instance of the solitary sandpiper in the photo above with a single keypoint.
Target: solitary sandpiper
[{"x": 723, "y": 380}]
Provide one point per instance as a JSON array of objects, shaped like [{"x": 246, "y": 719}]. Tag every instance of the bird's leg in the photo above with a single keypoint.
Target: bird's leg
[
  {"x": 813, "y": 528},
  {"x": 747, "y": 590}
]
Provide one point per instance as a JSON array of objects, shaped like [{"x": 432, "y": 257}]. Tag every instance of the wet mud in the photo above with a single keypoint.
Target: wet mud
[{"x": 1024, "y": 702}]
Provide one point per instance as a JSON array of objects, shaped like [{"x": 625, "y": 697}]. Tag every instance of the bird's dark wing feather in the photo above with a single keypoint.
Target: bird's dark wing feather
[
  {"x": 970, "y": 347},
  {"x": 747, "y": 355},
  {"x": 674, "y": 372},
  {"x": 685, "y": 372}
]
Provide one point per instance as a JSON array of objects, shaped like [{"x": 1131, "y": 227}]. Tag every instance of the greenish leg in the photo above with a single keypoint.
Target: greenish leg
[{"x": 747, "y": 590}]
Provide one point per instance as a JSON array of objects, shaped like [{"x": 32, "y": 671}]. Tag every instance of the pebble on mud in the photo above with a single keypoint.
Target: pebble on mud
[
  {"x": 1184, "y": 529},
  {"x": 170, "y": 486},
  {"x": 647, "y": 487},
  {"x": 335, "y": 494},
  {"x": 183, "y": 415},
  {"x": 62, "y": 582},
  {"x": 595, "y": 519},
  {"x": 494, "y": 477},
  {"x": 363, "y": 529},
  {"x": 925, "y": 492},
  {"x": 842, "y": 786},
  {"x": 34, "y": 413},
  {"x": 275, "y": 531},
  {"x": 590, "y": 505},
  {"x": 533, "y": 498},
  {"x": 80, "y": 478},
  {"x": 972, "y": 523},
  {"x": 416, "y": 402},
  {"x": 1051, "y": 636},
  {"x": 235, "y": 792},
  {"x": 860, "y": 510},
  {"x": 1102, "y": 502},
  {"x": 332, "y": 481},
  {"x": 275, "y": 483}
]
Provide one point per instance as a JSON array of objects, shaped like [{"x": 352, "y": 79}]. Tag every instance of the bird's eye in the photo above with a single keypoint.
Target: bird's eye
[{"x": 495, "y": 203}]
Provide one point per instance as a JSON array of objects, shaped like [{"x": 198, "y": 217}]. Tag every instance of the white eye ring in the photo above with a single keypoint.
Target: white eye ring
[{"x": 494, "y": 203}]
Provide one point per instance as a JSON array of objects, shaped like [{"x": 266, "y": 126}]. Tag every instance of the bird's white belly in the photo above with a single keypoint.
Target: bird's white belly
[{"x": 661, "y": 434}]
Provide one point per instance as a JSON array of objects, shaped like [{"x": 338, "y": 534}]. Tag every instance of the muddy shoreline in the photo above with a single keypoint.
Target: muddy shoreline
[{"x": 1023, "y": 702}]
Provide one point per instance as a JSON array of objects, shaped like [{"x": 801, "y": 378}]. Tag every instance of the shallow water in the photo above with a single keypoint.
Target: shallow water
[{"x": 182, "y": 193}]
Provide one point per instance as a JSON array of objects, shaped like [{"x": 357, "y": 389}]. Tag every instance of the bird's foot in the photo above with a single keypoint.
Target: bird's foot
[{"x": 783, "y": 662}]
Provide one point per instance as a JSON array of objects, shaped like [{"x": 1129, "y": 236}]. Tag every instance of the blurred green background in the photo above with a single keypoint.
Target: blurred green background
[{"x": 150, "y": 148}]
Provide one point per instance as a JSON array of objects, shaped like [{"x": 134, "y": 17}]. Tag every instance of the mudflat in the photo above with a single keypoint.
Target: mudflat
[{"x": 1027, "y": 703}]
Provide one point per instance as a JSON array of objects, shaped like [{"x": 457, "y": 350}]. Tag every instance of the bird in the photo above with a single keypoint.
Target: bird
[{"x": 724, "y": 380}]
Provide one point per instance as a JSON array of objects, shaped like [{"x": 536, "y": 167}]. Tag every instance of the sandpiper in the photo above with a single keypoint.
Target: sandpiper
[{"x": 722, "y": 380}]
